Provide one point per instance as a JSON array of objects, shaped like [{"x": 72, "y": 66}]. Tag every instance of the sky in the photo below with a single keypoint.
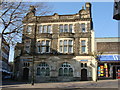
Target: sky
[{"x": 102, "y": 14}]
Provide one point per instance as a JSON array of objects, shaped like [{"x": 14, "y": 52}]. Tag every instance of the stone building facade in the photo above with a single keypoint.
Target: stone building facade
[{"x": 58, "y": 45}]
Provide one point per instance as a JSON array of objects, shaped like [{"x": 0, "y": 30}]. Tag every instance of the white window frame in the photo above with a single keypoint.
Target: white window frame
[
  {"x": 68, "y": 28},
  {"x": 46, "y": 29},
  {"x": 40, "y": 41},
  {"x": 63, "y": 39},
  {"x": 86, "y": 45}
]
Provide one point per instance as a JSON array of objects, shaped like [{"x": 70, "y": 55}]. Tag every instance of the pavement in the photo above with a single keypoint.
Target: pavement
[{"x": 67, "y": 85}]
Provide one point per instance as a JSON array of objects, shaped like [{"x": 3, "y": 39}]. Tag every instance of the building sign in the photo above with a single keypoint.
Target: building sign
[
  {"x": 26, "y": 59},
  {"x": 110, "y": 58},
  {"x": 84, "y": 60}
]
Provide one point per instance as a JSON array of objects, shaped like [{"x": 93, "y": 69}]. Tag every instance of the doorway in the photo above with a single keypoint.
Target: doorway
[
  {"x": 84, "y": 75},
  {"x": 114, "y": 72},
  {"x": 25, "y": 73}
]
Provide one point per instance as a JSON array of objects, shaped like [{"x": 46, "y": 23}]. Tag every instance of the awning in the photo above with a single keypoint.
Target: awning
[{"x": 109, "y": 58}]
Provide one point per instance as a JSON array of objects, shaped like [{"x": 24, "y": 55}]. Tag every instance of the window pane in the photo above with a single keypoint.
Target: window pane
[
  {"x": 47, "y": 71},
  {"x": 43, "y": 72},
  {"x": 83, "y": 27},
  {"x": 65, "y": 49},
  {"x": 47, "y": 48},
  {"x": 45, "y": 29},
  {"x": 38, "y": 71},
  {"x": 47, "y": 43},
  {"x": 29, "y": 29},
  {"x": 60, "y": 49},
  {"x": 43, "y": 49},
  {"x": 70, "y": 42},
  {"x": 81, "y": 64},
  {"x": 61, "y": 28},
  {"x": 43, "y": 43},
  {"x": 60, "y": 42},
  {"x": 83, "y": 49},
  {"x": 70, "y": 72},
  {"x": 70, "y": 27},
  {"x": 49, "y": 28},
  {"x": 65, "y": 42},
  {"x": 40, "y": 29},
  {"x": 38, "y": 48},
  {"x": 66, "y": 28},
  {"x": 65, "y": 71},
  {"x": 61, "y": 72},
  {"x": 70, "y": 49},
  {"x": 83, "y": 42},
  {"x": 85, "y": 64}
]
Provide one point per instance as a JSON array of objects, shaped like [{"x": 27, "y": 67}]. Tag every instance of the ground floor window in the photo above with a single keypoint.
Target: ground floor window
[
  {"x": 43, "y": 69},
  {"x": 65, "y": 70}
]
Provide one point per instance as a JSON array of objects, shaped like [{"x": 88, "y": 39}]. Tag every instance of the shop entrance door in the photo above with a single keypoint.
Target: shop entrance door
[
  {"x": 25, "y": 73},
  {"x": 84, "y": 75},
  {"x": 114, "y": 72}
]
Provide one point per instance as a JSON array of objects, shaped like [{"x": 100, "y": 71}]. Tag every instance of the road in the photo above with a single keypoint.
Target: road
[{"x": 68, "y": 85}]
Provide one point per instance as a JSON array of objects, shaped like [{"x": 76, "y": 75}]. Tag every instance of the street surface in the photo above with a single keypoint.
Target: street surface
[{"x": 77, "y": 84}]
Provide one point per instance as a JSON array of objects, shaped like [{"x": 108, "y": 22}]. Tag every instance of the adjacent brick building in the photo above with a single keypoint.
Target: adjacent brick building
[
  {"x": 109, "y": 64},
  {"x": 59, "y": 45}
]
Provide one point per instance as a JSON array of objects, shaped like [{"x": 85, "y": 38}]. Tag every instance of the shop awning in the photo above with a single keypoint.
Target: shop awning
[{"x": 110, "y": 58}]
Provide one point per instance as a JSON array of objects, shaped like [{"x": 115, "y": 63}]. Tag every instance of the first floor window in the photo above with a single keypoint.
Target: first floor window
[
  {"x": 66, "y": 46},
  {"x": 43, "y": 46}
]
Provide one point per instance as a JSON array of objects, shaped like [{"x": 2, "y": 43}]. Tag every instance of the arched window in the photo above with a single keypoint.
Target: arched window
[
  {"x": 43, "y": 69},
  {"x": 65, "y": 70}
]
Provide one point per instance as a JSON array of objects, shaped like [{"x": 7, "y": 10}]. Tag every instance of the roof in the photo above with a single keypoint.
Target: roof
[{"x": 108, "y": 39}]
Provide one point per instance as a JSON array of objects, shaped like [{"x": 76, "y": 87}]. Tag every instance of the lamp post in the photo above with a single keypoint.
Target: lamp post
[{"x": 34, "y": 44}]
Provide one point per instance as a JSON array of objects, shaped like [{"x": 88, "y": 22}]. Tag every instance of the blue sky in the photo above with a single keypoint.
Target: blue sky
[{"x": 102, "y": 14}]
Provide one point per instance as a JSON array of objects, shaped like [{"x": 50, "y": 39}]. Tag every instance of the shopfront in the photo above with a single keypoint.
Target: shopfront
[{"x": 109, "y": 67}]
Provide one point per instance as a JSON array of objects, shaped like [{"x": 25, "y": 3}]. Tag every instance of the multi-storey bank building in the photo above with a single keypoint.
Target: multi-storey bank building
[{"x": 59, "y": 46}]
